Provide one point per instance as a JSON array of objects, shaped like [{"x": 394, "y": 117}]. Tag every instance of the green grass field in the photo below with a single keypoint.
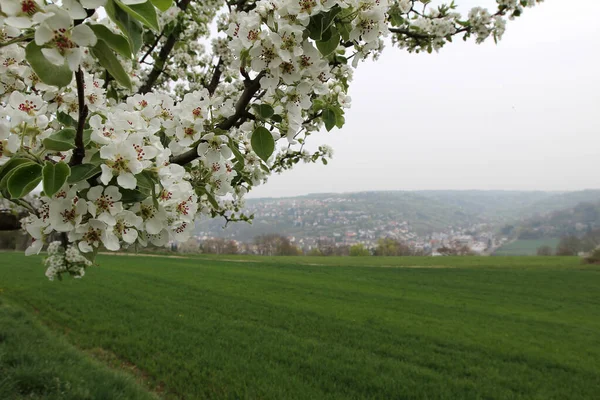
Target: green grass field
[
  {"x": 525, "y": 247},
  {"x": 309, "y": 327}
]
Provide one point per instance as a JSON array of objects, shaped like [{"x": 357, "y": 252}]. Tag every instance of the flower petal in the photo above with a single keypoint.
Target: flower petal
[
  {"x": 53, "y": 56},
  {"x": 127, "y": 180},
  {"x": 84, "y": 36}
]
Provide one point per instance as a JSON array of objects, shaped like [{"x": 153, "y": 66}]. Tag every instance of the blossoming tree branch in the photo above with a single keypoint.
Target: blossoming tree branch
[{"x": 139, "y": 116}]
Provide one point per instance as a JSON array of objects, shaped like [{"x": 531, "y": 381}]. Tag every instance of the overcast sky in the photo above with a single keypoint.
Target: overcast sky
[{"x": 523, "y": 114}]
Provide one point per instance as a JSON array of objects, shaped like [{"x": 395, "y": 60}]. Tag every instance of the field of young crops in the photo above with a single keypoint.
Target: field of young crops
[{"x": 140, "y": 327}]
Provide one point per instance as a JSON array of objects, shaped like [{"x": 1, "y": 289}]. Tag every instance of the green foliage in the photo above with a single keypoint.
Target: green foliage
[
  {"x": 262, "y": 143},
  {"x": 49, "y": 73},
  {"x": 116, "y": 42},
  {"x": 11, "y": 165},
  {"x": 112, "y": 64},
  {"x": 326, "y": 47},
  {"x": 129, "y": 26},
  {"x": 142, "y": 12},
  {"x": 83, "y": 172},
  {"x": 24, "y": 179},
  {"x": 162, "y": 5},
  {"x": 66, "y": 119},
  {"x": 55, "y": 176},
  {"x": 133, "y": 195},
  {"x": 489, "y": 328},
  {"x": 319, "y": 26},
  {"x": 62, "y": 140},
  {"x": 329, "y": 118},
  {"x": 263, "y": 110},
  {"x": 359, "y": 250}
]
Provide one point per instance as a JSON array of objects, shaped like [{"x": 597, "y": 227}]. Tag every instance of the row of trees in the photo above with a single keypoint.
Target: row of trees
[
  {"x": 278, "y": 245},
  {"x": 573, "y": 245}
]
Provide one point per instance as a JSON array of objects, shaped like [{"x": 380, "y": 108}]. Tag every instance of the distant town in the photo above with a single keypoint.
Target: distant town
[{"x": 424, "y": 222}]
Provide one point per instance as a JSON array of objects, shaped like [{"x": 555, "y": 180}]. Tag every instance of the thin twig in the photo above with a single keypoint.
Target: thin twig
[
  {"x": 151, "y": 49},
  {"x": 163, "y": 55}
]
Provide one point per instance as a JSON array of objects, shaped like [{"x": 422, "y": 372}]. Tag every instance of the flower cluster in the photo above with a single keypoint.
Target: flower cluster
[
  {"x": 135, "y": 130},
  {"x": 61, "y": 261}
]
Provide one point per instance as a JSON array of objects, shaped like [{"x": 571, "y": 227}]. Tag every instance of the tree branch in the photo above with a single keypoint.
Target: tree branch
[
  {"x": 417, "y": 35},
  {"x": 214, "y": 82},
  {"x": 163, "y": 55},
  {"x": 79, "y": 151},
  {"x": 250, "y": 89},
  {"x": 151, "y": 49},
  {"x": 18, "y": 39}
]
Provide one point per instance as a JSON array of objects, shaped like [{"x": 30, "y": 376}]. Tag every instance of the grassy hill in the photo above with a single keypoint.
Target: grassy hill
[{"x": 321, "y": 328}]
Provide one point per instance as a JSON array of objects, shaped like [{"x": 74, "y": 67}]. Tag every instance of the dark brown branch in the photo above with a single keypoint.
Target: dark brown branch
[
  {"x": 151, "y": 49},
  {"x": 79, "y": 151},
  {"x": 163, "y": 55},
  {"x": 214, "y": 82},
  {"x": 250, "y": 89},
  {"x": 417, "y": 35}
]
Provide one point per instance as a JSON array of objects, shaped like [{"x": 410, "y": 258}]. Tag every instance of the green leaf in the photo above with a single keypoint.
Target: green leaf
[
  {"x": 277, "y": 118},
  {"x": 319, "y": 24},
  {"x": 129, "y": 26},
  {"x": 24, "y": 180},
  {"x": 50, "y": 74},
  {"x": 66, "y": 119},
  {"x": 55, "y": 176},
  {"x": 339, "y": 117},
  {"x": 262, "y": 143},
  {"x": 109, "y": 61},
  {"x": 83, "y": 172},
  {"x": 212, "y": 201},
  {"x": 9, "y": 167},
  {"x": 328, "y": 46},
  {"x": 344, "y": 29},
  {"x": 146, "y": 181},
  {"x": 62, "y": 140},
  {"x": 96, "y": 159},
  {"x": 87, "y": 137},
  {"x": 118, "y": 43},
  {"x": 236, "y": 152},
  {"x": 162, "y": 5},
  {"x": 132, "y": 196},
  {"x": 263, "y": 110},
  {"x": 143, "y": 12},
  {"x": 329, "y": 118}
]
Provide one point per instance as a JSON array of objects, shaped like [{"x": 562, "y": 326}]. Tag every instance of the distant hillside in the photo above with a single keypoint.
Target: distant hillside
[
  {"x": 395, "y": 213},
  {"x": 571, "y": 221}
]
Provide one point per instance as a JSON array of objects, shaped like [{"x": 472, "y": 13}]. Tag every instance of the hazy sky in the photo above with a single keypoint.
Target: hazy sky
[{"x": 523, "y": 114}]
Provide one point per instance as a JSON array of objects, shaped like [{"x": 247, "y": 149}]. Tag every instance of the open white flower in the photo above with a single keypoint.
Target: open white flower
[
  {"x": 66, "y": 214},
  {"x": 61, "y": 41},
  {"x": 90, "y": 235},
  {"x": 125, "y": 228},
  {"x": 154, "y": 219},
  {"x": 20, "y": 12},
  {"x": 104, "y": 203},
  {"x": 122, "y": 161}
]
